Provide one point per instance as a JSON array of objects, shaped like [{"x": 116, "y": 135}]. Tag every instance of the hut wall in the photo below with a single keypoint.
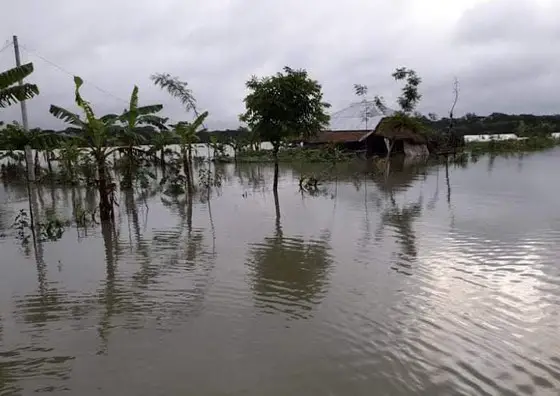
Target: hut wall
[{"x": 415, "y": 150}]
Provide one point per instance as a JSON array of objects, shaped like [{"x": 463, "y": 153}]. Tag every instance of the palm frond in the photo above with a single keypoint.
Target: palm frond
[
  {"x": 153, "y": 120},
  {"x": 199, "y": 120},
  {"x": 109, "y": 118},
  {"x": 176, "y": 88},
  {"x": 14, "y": 75},
  {"x": 146, "y": 110},
  {"x": 18, "y": 93},
  {"x": 66, "y": 116},
  {"x": 133, "y": 100},
  {"x": 84, "y": 104}
]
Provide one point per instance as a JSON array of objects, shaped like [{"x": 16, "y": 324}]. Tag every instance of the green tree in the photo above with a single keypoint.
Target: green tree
[
  {"x": 11, "y": 93},
  {"x": 132, "y": 118},
  {"x": 403, "y": 119},
  {"x": 187, "y": 132},
  {"x": 159, "y": 141},
  {"x": 410, "y": 96},
  {"x": 285, "y": 106},
  {"x": 98, "y": 134}
]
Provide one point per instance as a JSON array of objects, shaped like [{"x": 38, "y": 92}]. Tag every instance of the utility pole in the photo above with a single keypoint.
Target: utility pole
[{"x": 28, "y": 152}]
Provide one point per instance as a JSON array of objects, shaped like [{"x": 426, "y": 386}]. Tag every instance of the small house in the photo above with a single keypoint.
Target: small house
[{"x": 385, "y": 138}]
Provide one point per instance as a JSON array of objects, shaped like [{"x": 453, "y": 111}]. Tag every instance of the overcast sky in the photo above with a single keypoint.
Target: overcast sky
[{"x": 504, "y": 52}]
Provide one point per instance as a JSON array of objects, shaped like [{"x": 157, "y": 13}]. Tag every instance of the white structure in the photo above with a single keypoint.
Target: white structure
[
  {"x": 487, "y": 138},
  {"x": 352, "y": 118}
]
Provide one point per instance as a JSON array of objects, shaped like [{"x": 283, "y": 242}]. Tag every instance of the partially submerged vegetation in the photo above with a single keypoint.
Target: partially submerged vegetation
[{"x": 134, "y": 149}]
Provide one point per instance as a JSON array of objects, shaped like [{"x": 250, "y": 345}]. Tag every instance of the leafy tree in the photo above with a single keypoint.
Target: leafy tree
[
  {"x": 285, "y": 106},
  {"x": 159, "y": 142},
  {"x": 187, "y": 133},
  {"x": 409, "y": 95},
  {"x": 132, "y": 118},
  {"x": 98, "y": 134},
  {"x": 11, "y": 93},
  {"x": 404, "y": 119}
]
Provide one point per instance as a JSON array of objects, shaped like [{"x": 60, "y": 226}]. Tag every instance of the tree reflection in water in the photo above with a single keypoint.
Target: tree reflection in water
[
  {"x": 400, "y": 217},
  {"x": 290, "y": 274}
]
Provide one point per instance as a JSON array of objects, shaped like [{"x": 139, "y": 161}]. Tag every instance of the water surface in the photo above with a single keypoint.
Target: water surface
[{"x": 431, "y": 281}]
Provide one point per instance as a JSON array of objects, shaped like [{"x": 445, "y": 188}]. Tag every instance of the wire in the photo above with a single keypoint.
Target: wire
[
  {"x": 69, "y": 73},
  {"x": 5, "y": 47},
  {"x": 60, "y": 68}
]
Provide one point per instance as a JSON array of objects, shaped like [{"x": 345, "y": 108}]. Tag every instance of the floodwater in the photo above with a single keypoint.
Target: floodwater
[{"x": 427, "y": 282}]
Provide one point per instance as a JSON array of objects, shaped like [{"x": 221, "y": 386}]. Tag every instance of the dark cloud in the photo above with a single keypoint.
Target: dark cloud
[{"x": 501, "y": 50}]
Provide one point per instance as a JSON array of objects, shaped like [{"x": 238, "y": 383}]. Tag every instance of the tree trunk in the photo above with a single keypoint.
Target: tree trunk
[
  {"x": 49, "y": 164},
  {"x": 187, "y": 170},
  {"x": 162, "y": 158},
  {"x": 105, "y": 191},
  {"x": 130, "y": 165},
  {"x": 275, "y": 152},
  {"x": 37, "y": 164}
]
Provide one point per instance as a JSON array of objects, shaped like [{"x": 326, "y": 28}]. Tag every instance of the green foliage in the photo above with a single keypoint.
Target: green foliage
[
  {"x": 11, "y": 93},
  {"x": 176, "y": 88},
  {"x": 285, "y": 106},
  {"x": 524, "y": 125},
  {"x": 135, "y": 116},
  {"x": 95, "y": 133},
  {"x": 409, "y": 96},
  {"x": 187, "y": 132}
]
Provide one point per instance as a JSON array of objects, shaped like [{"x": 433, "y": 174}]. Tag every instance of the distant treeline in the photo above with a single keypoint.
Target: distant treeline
[
  {"x": 469, "y": 124},
  {"x": 148, "y": 132},
  {"x": 498, "y": 123}
]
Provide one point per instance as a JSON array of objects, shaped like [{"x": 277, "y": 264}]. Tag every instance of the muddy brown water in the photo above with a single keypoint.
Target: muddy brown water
[{"x": 428, "y": 282}]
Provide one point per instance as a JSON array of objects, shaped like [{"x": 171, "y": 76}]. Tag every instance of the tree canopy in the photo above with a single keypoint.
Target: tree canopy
[{"x": 284, "y": 106}]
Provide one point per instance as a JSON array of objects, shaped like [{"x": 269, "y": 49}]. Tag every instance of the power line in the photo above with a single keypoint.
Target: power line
[
  {"x": 62, "y": 69},
  {"x": 33, "y": 53},
  {"x": 5, "y": 47}
]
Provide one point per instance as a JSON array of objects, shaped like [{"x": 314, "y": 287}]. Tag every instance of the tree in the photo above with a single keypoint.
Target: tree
[
  {"x": 407, "y": 101},
  {"x": 285, "y": 106},
  {"x": 187, "y": 132},
  {"x": 11, "y": 93},
  {"x": 409, "y": 95},
  {"x": 131, "y": 118},
  {"x": 97, "y": 134}
]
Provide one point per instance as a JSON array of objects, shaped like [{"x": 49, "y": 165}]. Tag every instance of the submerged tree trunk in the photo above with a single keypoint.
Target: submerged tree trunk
[
  {"x": 130, "y": 166},
  {"x": 37, "y": 164},
  {"x": 105, "y": 191},
  {"x": 187, "y": 170},
  {"x": 275, "y": 152},
  {"x": 48, "y": 155},
  {"x": 190, "y": 159},
  {"x": 162, "y": 158}
]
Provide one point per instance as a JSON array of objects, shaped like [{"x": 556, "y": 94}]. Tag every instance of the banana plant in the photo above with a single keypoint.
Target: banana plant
[
  {"x": 131, "y": 119},
  {"x": 160, "y": 141},
  {"x": 188, "y": 135},
  {"x": 98, "y": 134},
  {"x": 11, "y": 93}
]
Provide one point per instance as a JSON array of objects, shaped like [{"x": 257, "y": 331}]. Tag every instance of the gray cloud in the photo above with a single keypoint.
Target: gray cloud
[{"x": 501, "y": 50}]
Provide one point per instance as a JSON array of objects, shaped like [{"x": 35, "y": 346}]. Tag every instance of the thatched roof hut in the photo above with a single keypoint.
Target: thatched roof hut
[
  {"x": 401, "y": 131},
  {"x": 391, "y": 129}
]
